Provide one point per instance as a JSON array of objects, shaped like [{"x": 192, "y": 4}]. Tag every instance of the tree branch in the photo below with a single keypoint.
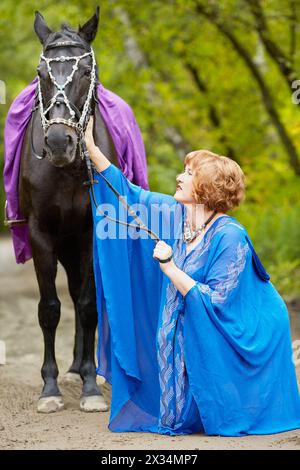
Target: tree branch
[
  {"x": 140, "y": 60},
  {"x": 212, "y": 110},
  {"x": 283, "y": 62},
  {"x": 265, "y": 93}
]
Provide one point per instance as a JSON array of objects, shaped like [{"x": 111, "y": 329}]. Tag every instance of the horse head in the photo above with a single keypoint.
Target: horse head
[{"x": 67, "y": 81}]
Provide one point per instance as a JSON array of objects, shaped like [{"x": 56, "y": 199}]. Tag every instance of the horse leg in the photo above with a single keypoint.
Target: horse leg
[
  {"x": 91, "y": 398},
  {"x": 68, "y": 256},
  {"x": 45, "y": 263},
  {"x": 73, "y": 374}
]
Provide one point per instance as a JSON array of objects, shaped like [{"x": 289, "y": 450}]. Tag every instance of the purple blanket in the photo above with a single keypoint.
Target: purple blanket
[{"x": 124, "y": 132}]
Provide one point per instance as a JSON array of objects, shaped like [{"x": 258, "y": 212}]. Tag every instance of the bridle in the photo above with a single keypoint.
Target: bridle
[{"x": 60, "y": 96}]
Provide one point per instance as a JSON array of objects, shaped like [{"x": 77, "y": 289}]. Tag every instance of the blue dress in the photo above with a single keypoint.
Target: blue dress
[{"x": 216, "y": 361}]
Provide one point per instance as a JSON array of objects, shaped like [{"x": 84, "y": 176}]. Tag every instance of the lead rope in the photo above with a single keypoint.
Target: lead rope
[{"x": 131, "y": 212}]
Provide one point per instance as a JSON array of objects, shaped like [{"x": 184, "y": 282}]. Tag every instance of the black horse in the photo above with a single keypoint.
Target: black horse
[{"x": 57, "y": 204}]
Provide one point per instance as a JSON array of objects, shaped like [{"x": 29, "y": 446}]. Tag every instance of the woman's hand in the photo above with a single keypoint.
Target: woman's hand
[
  {"x": 163, "y": 251},
  {"x": 98, "y": 158},
  {"x": 88, "y": 137},
  {"x": 182, "y": 281}
]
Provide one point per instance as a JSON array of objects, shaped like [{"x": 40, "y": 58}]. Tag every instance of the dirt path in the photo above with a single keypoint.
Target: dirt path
[{"x": 21, "y": 427}]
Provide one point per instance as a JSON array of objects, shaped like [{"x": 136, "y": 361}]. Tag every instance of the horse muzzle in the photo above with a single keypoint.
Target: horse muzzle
[{"x": 60, "y": 145}]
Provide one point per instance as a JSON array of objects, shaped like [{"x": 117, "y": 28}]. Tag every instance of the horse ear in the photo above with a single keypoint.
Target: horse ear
[
  {"x": 41, "y": 28},
  {"x": 89, "y": 30}
]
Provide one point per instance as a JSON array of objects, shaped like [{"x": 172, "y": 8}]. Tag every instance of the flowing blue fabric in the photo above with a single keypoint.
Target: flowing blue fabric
[{"x": 218, "y": 360}]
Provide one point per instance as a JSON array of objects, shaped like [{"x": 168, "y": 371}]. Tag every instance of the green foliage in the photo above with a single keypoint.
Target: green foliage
[
  {"x": 275, "y": 233},
  {"x": 146, "y": 51}
]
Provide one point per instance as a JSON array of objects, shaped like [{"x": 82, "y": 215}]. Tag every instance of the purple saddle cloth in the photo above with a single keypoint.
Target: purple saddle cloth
[{"x": 125, "y": 134}]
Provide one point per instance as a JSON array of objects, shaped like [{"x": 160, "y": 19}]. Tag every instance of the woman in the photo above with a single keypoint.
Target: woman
[{"x": 193, "y": 336}]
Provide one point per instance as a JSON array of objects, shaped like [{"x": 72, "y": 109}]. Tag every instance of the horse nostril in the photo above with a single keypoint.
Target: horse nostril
[
  {"x": 46, "y": 140},
  {"x": 69, "y": 137}
]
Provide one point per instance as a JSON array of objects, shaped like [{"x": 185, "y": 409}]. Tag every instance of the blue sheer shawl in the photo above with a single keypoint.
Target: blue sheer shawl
[{"x": 236, "y": 331}]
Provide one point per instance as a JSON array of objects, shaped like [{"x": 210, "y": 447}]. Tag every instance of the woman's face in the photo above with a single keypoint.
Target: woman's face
[{"x": 184, "y": 188}]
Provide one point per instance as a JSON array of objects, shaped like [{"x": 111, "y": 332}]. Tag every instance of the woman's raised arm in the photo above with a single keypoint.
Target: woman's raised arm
[{"x": 97, "y": 157}]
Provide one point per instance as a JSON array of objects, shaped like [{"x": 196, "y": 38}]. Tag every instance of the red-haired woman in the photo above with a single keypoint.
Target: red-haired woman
[{"x": 193, "y": 336}]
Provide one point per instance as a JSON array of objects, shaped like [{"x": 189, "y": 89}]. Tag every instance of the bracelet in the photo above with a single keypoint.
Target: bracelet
[{"x": 165, "y": 260}]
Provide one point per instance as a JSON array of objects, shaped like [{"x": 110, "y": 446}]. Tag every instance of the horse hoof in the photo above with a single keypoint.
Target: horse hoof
[
  {"x": 72, "y": 377},
  {"x": 94, "y": 403},
  {"x": 50, "y": 404}
]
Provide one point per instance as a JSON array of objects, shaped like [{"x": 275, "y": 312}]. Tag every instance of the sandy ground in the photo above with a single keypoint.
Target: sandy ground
[{"x": 21, "y": 427}]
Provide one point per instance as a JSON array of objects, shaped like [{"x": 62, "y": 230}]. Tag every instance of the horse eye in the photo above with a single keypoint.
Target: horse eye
[{"x": 41, "y": 71}]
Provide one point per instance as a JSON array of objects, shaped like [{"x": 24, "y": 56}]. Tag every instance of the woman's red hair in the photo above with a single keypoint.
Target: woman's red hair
[{"x": 218, "y": 181}]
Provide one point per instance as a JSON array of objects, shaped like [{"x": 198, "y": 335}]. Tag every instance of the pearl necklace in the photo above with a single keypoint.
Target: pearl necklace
[{"x": 189, "y": 234}]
